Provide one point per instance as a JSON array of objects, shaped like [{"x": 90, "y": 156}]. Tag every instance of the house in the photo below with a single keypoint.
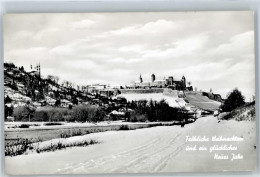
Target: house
[
  {"x": 37, "y": 104},
  {"x": 107, "y": 92},
  {"x": 218, "y": 97},
  {"x": 20, "y": 86},
  {"x": 50, "y": 101},
  {"x": 210, "y": 95},
  {"x": 10, "y": 118},
  {"x": 65, "y": 103}
]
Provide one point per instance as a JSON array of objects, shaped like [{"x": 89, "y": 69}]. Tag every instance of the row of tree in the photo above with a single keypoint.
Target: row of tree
[
  {"x": 156, "y": 111},
  {"x": 81, "y": 113}
]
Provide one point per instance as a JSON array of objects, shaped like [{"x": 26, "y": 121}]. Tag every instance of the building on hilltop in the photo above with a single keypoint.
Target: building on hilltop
[
  {"x": 211, "y": 95},
  {"x": 35, "y": 70},
  {"x": 170, "y": 82}
]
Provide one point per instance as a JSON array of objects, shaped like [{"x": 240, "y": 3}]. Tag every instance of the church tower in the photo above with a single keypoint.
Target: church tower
[
  {"x": 39, "y": 66},
  {"x": 152, "y": 77},
  {"x": 141, "y": 79},
  {"x": 183, "y": 82}
]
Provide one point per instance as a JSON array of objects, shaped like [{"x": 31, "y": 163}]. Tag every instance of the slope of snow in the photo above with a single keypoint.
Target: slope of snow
[
  {"x": 202, "y": 102},
  {"x": 154, "y": 96},
  {"x": 150, "y": 150}
]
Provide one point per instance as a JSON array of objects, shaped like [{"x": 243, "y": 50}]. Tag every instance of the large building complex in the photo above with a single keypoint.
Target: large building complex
[{"x": 170, "y": 82}]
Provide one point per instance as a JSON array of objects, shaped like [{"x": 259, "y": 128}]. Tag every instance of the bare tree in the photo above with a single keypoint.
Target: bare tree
[
  {"x": 56, "y": 78},
  {"x": 189, "y": 83}
]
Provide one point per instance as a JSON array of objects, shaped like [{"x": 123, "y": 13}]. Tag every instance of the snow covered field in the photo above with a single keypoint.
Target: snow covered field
[
  {"x": 172, "y": 101},
  {"x": 149, "y": 150},
  {"x": 10, "y": 126},
  {"x": 44, "y": 133}
]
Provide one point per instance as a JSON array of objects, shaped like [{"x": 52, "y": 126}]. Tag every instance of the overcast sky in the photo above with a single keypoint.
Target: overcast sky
[{"x": 212, "y": 49}]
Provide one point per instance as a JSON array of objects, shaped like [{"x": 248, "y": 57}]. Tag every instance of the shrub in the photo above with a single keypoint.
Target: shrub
[
  {"x": 23, "y": 113},
  {"x": 80, "y": 113},
  {"x": 136, "y": 117},
  {"x": 57, "y": 114},
  {"x": 18, "y": 147},
  {"x": 7, "y": 99},
  {"x": 50, "y": 114},
  {"x": 69, "y": 118},
  {"x": 124, "y": 127},
  {"x": 8, "y": 111},
  {"x": 60, "y": 145},
  {"x": 52, "y": 123},
  {"x": 24, "y": 126},
  {"x": 41, "y": 116},
  {"x": 243, "y": 113},
  {"x": 251, "y": 113},
  {"x": 234, "y": 100},
  {"x": 71, "y": 133},
  {"x": 89, "y": 113}
]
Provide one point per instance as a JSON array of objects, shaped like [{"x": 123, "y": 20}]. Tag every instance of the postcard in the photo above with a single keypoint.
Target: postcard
[{"x": 129, "y": 92}]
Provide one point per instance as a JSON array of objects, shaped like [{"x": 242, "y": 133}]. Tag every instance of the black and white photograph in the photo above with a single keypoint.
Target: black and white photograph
[{"x": 129, "y": 92}]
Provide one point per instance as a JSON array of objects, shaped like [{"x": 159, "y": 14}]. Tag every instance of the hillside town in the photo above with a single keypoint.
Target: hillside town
[{"x": 29, "y": 88}]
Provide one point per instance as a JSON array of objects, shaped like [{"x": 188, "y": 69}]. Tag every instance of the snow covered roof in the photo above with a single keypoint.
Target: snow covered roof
[
  {"x": 8, "y": 105},
  {"x": 108, "y": 89},
  {"x": 32, "y": 71},
  {"x": 36, "y": 104},
  {"x": 65, "y": 101},
  {"x": 54, "y": 88},
  {"x": 17, "y": 95},
  {"x": 160, "y": 80},
  {"x": 20, "y": 85},
  {"x": 117, "y": 113}
]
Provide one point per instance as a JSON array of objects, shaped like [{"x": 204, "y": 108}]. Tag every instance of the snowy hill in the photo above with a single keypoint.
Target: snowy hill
[
  {"x": 23, "y": 87},
  {"x": 246, "y": 112},
  {"x": 201, "y": 101}
]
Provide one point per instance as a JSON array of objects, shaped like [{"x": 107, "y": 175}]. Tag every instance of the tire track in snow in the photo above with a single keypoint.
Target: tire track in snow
[
  {"x": 135, "y": 164},
  {"x": 164, "y": 161},
  {"x": 107, "y": 159}
]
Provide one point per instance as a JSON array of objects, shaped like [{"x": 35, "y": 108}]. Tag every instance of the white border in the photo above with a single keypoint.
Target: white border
[{"x": 73, "y": 6}]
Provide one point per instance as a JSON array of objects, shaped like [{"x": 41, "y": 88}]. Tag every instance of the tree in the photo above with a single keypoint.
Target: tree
[
  {"x": 23, "y": 113},
  {"x": 7, "y": 99},
  {"x": 75, "y": 100},
  {"x": 97, "y": 114},
  {"x": 8, "y": 111},
  {"x": 234, "y": 100},
  {"x": 57, "y": 103},
  {"x": 80, "y": 113},
  {"x": 54, "y": 79},
  {"x": 51, "y": 78}
]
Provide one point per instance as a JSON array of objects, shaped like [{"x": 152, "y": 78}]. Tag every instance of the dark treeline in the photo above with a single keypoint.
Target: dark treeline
[
  {"x": 155, "y": 111},
  {"x": 80, "y": 113},
  {"x": 135, "y": 111}
]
